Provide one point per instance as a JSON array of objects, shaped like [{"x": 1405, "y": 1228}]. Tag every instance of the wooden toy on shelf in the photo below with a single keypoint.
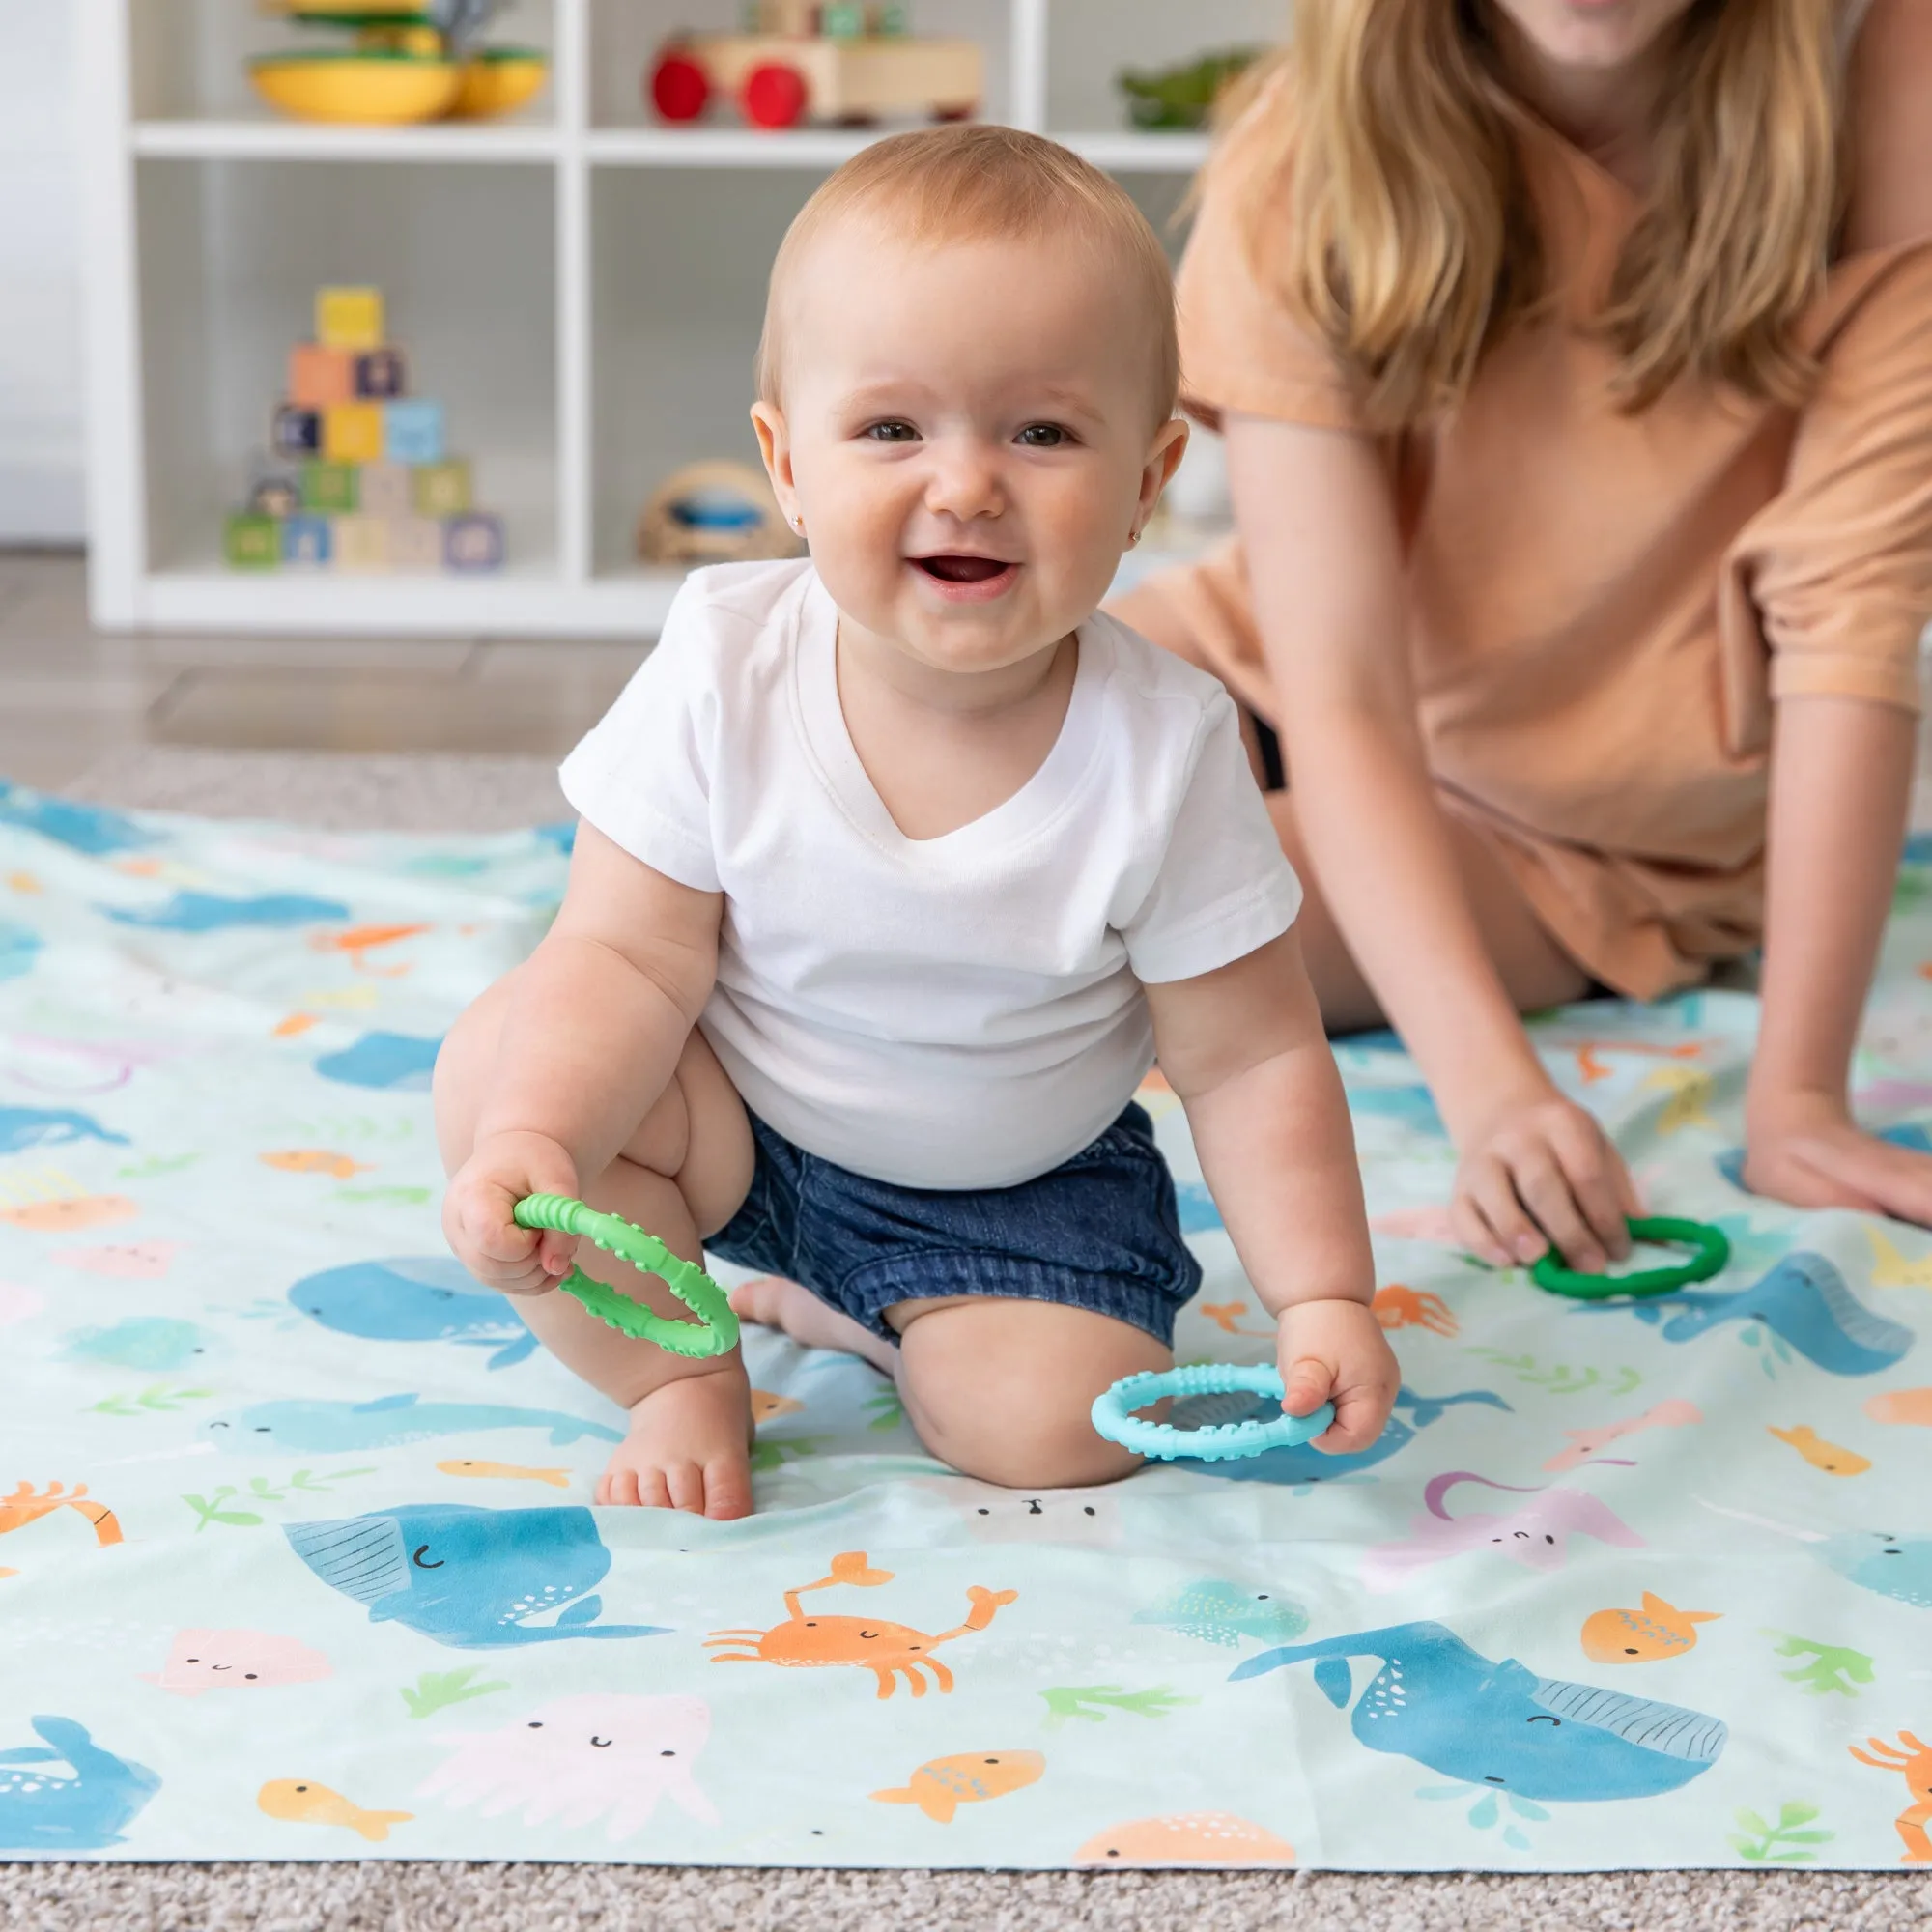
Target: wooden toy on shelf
[
  {"x": 841, "y": 62},
  {"x": 714, "y": 513}
]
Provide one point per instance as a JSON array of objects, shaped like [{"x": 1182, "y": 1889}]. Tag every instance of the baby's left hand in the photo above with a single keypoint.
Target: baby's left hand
[{"x": 1335, "y": 1351}]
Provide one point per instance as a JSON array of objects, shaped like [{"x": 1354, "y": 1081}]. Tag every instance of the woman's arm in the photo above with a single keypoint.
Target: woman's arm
[
  {"x": 1324, "y": 561},
  {"x": 1841, "y": 778}
]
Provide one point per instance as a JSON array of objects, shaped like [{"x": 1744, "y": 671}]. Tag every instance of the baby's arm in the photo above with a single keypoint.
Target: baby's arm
[
  {"x": 1243, "y": 1047},
  {"x": 598, "y": 1017}
]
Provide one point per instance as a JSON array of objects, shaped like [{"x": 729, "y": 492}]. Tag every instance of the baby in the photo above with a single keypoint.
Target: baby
[{"x": 898, "y": 870}]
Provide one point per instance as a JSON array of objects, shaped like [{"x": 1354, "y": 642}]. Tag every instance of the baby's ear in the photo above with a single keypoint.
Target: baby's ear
[{"x": 769, "y": 426}]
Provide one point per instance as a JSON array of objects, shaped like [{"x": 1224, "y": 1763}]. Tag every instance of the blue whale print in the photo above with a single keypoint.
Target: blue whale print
[
  {"x": 468, "y": 1577},
  {"x": 396, "y": 1062},
  {"x": 414, "y": 1298},
  {"x": 1304, "y": 1464},
  {"x": 209, "y": 912},
  {"x": 18, "y": 947},
  {"x": 40, "y": 1812},
  {"x": 1804, "y": 1299},
  {"x": 23, "y": 1127},
  {"x": 154, "y": 1342},
  {"x": 1894, "y": 1565},
  {"x": 92, "y": 828},
  {"x": 1444, "y": 1705},
  {"x": 339, "y": 1428}
]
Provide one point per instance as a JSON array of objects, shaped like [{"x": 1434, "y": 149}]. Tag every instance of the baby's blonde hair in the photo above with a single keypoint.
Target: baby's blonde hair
[{"x": 977, "y": 183}]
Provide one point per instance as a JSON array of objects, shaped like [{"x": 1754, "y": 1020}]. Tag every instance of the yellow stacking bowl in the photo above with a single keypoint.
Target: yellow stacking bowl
[
  {"x": 365, "y": 87},
  {"x": 498, "y": 80}
]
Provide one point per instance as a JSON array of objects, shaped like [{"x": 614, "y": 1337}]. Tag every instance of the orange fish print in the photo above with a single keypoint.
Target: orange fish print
[
  {"x": 1190, "y": 1838},
  {"x": 295, "y": 1023},
  {"x": 314, "y": 1160},
  {"x": 1822, "y": 1455},
  {"x": 765, "y": 1405},
  {"x": 508, "y": 1472},
  {"x": 361, "y": 940},
  {"x": 969, "y": 1778},
  {"x": 1398, "y": 1307},
  {"x": 24, "y": 882},
  {"x": 66, "y": 1212},
  {"x": 1903, "y": 1405},
  {"x": 1649, "y": 1635},
  {"x": 304, "y": 1801}
]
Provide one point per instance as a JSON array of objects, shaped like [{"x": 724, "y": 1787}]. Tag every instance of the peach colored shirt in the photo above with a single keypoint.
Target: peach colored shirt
[{"x": 1605, "y": 608}]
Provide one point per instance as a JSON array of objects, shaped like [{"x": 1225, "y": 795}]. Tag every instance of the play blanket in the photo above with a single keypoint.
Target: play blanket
[{"x": 297, "y": 1557}]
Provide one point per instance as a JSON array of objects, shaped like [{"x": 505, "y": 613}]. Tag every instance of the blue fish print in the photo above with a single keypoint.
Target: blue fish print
[
  {"x": 1218, "y": 1611},
  {"x": 18, "y": 947},
  {"x": 1303, "y": 1464},
  {"x": 414, "y": 1298},
  {"x": 40, "y": 1812},
  {"x": 399, "y": 1061},
  {"x": 1413, "y": 1105},
  {"x": 466, "y": 1577},
  {"x": 153, "y": 1342},
  {"x": 345, "y": 1428},
  {"x": 1804, "y": 1299},
  {"x": 563, "y": 838},
  {"x": 1198, "y": 1214},
  {"x": 1444, "y": 1705},
  {"x": 23, "y": 1127},
  {"x": 209, "y": 912},
  {"x": 1912, "y": 1135},
  {"x": 92, "y": 828}
]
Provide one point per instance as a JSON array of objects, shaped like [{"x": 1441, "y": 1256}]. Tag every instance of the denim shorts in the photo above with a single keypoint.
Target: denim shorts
[{"x": 1099, "y": 1232}]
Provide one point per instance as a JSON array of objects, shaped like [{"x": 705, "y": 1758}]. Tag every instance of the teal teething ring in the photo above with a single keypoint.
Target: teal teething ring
[
  {"x": 715, "y": 1332},
  {"x": 1224, "y": 1442},
  {"x": 1713, "y": 1255}
]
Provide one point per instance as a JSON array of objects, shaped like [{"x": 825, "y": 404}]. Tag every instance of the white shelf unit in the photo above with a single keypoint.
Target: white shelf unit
[{"x": 581, "y": 285}]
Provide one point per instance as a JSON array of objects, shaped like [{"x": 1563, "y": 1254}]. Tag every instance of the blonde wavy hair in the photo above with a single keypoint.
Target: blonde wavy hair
[{"x": 1377, "y": 173}]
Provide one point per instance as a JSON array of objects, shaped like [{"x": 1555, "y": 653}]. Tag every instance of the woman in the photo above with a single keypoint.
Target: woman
[{"x": 1575, "y": 362}]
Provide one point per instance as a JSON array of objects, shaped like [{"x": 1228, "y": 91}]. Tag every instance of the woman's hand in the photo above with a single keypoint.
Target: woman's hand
[
  {"x": 1806, "y": 1149},
  {"x": 1539, "y": 1171},
  {"x": 1335, "y": 1351},
  {"x": 476, "y": 1214}
]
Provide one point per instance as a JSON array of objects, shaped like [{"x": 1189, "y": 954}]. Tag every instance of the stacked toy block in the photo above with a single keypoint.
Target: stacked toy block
[{"x": 360, "y": 477}]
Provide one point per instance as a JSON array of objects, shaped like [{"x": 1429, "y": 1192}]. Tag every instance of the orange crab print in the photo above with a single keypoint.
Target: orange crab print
[
  {"x": 1398, "y": 1307},
  {"x": 1226, "y": 1316},
  {"x": 888, "y": 1651},
  {"x": 1914, "y": 1759},
  {"x": 25, "y": 1504}
]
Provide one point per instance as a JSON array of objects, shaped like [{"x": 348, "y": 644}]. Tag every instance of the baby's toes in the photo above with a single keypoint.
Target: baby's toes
[{"x": 727, "y": 1488}]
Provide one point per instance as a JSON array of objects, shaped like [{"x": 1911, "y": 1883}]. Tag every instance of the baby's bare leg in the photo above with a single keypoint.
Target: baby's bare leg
[
  {"x": 681, "y": 1175},
  {"x": 1003, "y": 1389}
]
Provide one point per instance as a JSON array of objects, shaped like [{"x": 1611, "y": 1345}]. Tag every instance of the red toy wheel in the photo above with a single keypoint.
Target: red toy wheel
[
  {"x": 679, "y": 88},
  {"x": 772, "y": 96}
]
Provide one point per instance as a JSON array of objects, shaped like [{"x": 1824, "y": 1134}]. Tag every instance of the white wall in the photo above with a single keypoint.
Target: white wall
[{"x": 39, "y": 276}]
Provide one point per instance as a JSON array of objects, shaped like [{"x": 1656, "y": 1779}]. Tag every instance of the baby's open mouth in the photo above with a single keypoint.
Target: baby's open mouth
[{"x": 962, "y": 569}]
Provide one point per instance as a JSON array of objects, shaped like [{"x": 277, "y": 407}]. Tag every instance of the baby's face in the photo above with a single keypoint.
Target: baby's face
[{"x": 968, "y": 435}]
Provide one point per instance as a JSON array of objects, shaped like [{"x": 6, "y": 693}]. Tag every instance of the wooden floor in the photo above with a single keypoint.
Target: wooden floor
[{"x": 71, "y": 695}]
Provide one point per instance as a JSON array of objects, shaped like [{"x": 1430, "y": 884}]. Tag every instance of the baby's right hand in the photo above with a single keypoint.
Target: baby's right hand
[{"x": 476, "y": 1214}]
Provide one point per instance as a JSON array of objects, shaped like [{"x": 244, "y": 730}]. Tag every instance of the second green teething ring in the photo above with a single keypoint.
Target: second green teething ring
[
  {"x": 1713, "y": 1252},
  {"x": 715, "y": 1332}
]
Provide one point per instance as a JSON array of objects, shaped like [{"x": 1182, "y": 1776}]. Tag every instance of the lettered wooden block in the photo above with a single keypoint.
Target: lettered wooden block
[
  {"x": 349, "y": 318},
  {"x": 330, "y": 487},
  {"x": 473, "y": 541},
  {"x": 319, "y": 376},
  {"x": 384, "y": 490},
  {"x": 275, "y": 492},
  {"x": 380, "y": 374},
  {"x": 296, "y": 431},
  {"x": 416, "y": 543},
  {"x": 252, "y": 543},
  {"x": 442, "y": 488},
  {"x": 307, "y": 542},
  {"x": 362, "y": 543},
  {"x": 353, "y": 432},
  {"x": 412, "y": 431}
]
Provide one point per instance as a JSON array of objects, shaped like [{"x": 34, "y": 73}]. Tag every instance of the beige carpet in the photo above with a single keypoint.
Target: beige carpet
[{"x": 484, "y": 794}]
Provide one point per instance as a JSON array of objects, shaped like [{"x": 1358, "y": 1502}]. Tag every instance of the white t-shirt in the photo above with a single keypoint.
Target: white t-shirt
[{"x": 953, "y": 1012}]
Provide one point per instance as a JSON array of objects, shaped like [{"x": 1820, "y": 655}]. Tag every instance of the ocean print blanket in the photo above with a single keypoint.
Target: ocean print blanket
[{"x": 297, "y": 1557}]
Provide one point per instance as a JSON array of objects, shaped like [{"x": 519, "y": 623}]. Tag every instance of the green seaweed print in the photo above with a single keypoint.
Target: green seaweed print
[
  {"x": 1833, "y": 1668},
  {"x": 1559, "y": 1378},
  {"x": 1769, "y": 1845},
  {"x": 1492, "y": 1809},
  {"x": 438, "y": 1689},
  {"x": 1093, "y": 1702},
  {"x": 157, "y": 1398},
  {"x": 224, "y": 1505}
]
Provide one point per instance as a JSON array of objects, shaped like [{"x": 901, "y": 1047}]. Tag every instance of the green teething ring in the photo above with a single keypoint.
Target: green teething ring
[
  {"x": 715, "y": 1332},
  {"x": 1713, "y": 1254}
]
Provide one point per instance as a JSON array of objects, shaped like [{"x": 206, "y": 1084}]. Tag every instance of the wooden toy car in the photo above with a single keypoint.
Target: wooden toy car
[{"x": 848, "y": 63}]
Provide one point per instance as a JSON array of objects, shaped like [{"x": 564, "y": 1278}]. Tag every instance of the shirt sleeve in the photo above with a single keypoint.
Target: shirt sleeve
[
  {"x": 1839, "y": 565},
  {"x": 1242, "y": 348},
  {"x": 641, "y": 775},
  {"x": 1224, "y": 886}
]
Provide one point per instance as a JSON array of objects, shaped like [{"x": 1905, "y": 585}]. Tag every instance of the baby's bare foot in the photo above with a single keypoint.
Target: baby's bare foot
[
  {"x": 773, "y": 1302},
  {"x": 687, "y": 1448}
]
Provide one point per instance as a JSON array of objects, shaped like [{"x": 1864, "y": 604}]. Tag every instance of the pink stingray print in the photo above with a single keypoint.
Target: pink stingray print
[
  {"x": 1587, "y": 1446},
  {"x": 1418, "y": 1224},
  {"x": 1534, "y": 1536},
  {"x": 18, "y": 1302},
  {"x": 577, "y": 1758},
  {"x": 125, "y": 1260}
]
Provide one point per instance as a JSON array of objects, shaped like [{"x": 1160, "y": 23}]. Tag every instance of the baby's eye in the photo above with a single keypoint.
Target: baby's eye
[
  {"x": 1041, "y": 435},
  {"x": 893, "y": 431}
]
